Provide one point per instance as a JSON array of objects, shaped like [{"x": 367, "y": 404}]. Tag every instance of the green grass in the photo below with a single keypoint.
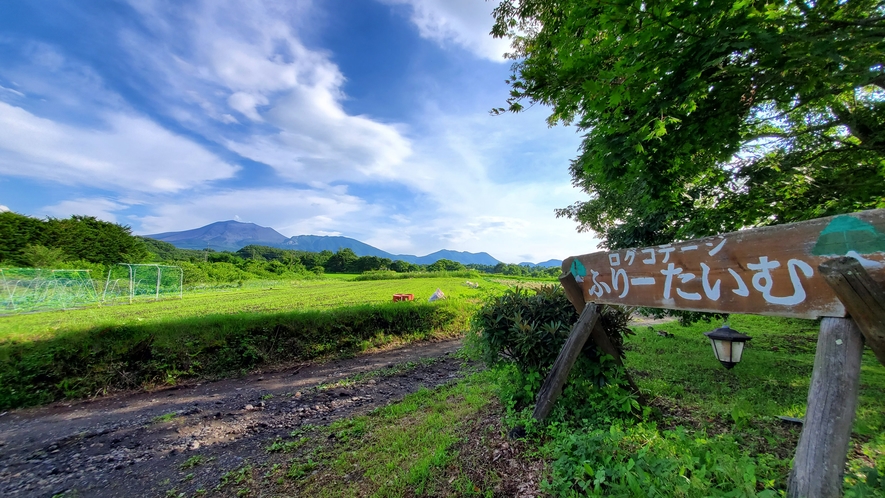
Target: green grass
[
  {"x": 713, "y": 432},
  {"x": 409, "y": 443},
  {"x": 284, "y": 296},
  {"x": 392, "y": 275},
  {"x": 771, "y": 380},
  {"x": 56, "y": 355},
  {"x": 191, "y": 462},
  {"x": 166, "y": 417},
  {"x": 402, "y": 449},
  {"x": 710, "y": 431}
]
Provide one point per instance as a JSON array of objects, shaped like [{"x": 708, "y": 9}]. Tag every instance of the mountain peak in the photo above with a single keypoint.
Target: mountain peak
[
  {"x": 232, "y": 235},
  {"x": 229, "y": 235}
]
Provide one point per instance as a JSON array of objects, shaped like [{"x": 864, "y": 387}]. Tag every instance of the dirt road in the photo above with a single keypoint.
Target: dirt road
[{"x": 134, "y": 444}]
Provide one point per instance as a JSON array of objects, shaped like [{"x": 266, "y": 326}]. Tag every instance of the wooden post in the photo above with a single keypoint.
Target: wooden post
[
  {"x": 552, "y": 387},
  {"x": 832, "y": 400},
  {"x": 598, "y": 335},
  {"x": 574, "y": 294},
  {"x": 573, "y": 291},
  {"x": 863, "y": 297}
]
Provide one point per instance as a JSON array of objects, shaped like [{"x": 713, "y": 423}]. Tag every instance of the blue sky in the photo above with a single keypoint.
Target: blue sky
[{"x": 362, "y": 118}]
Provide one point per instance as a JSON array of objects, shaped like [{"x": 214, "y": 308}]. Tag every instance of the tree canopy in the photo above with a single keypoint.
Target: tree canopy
[
  {"x": 707, "y": 117},
  {"x": 24, "y": 240}
]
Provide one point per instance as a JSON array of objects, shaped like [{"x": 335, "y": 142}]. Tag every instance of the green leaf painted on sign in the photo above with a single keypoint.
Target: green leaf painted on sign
[
  {"x": 847, "y": 233},
  {"x": 577, "y": 269}
]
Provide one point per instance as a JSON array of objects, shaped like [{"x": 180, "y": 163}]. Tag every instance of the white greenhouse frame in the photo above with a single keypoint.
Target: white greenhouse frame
[{"x": 132, "y": 267}]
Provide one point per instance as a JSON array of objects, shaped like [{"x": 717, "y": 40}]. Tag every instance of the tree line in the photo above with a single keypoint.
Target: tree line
[
  {"x": 85, "y": 242},
  {"x": 32, "y": 242}
]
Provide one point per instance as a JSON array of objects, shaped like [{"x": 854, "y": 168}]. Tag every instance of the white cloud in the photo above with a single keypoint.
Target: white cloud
[
  {"x": 318, "y": 141},
  {"x": 3, "y": 209},
  {"x": 12, "y": 91},
  {"x": 239, "y": 74},
  {"x": 129, "y": 153},
  {"x": 494, "y": 184},
  {"x": 289, "y": 211},
  {"x": 247, "y": 57},
  {"x": 464, "y": 22},
  {"x": 99, "y": 207},
  {"x": 246, "y": 104},
  {"x": 62, "y": 85}
]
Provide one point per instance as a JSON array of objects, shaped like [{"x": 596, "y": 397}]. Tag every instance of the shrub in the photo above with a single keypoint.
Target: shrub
[
  {"x": 525, "y": 328},
  {"x": 529, "y": 329}
]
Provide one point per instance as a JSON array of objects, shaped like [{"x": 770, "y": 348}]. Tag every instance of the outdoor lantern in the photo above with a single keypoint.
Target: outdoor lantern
[{"x": 728, "y": 345}]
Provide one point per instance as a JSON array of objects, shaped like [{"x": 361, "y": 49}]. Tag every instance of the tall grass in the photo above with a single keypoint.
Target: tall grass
[
  {"x": 69, "y": 354},
  {"x": 392, "y": 275},
  {"x": 94, "y": 360}
]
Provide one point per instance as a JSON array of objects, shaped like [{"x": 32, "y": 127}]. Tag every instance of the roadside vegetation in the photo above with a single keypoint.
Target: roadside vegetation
[
  {"x": 70, "y": 354},
  {"x": 705, "y": 431},
  {"x": 86, "y": 243}
]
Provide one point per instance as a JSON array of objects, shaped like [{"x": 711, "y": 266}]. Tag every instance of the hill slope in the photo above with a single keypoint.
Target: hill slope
[
  {"x": 233, "y": 235},
  {"x": 223, "y": 236}
]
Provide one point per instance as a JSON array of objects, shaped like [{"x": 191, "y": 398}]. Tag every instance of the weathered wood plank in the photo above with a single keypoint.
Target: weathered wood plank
[
  {"x": 832, "y": 400},
  {"x": 600, "y": 338},
  {"x": 766, "y": 271},
  {"x": 552, "y": 387},
  {"x": 573, "y": 291},
  {"x": 863, "y": 298},
  {"x": 598, "y": 334}
]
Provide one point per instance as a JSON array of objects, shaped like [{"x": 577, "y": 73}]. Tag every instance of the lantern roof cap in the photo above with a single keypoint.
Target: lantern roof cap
[{"x": 726, "y": 333}]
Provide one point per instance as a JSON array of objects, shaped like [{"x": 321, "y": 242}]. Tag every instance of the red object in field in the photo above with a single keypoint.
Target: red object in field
[{"x": 403, "y": 297}]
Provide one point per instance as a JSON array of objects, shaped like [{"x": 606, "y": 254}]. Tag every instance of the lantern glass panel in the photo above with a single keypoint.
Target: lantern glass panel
[
  {"x": 722, "y": 349},
  {"x": 737, "y": 349}
]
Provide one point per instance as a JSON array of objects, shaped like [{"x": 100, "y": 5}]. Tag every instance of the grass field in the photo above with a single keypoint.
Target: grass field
[
  {"x": 711, "y": 432},
  {"x": 773, "y": 379},
  {"x": 74, "y": 353},
  {"x": 263, "y": 297}
]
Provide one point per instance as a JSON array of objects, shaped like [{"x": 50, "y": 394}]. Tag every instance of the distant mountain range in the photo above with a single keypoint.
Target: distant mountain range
[{"x": 234, "y": 235}]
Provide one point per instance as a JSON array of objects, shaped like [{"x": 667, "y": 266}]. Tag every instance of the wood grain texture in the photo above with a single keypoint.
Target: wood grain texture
[
  {"x": 832, "y": 400},
  {"x": 573, "y": 291},
  {"x": 552, "y": 387},
  {"x": 766, "y": 271},
  {"x": 863, "y": 297}
]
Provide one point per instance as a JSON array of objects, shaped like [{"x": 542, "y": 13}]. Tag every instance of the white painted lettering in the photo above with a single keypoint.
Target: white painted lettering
[
  {"x": 798, "y": 291},
  {"x": 666, "y": 252},
  {"x": 716, "y": 249},
  {"x": 642, "y": 281},
  {"x": 668, "y": 283},
  {"x": 762, "y": 280},
  {"x": 742, "y": 289},
  {"x": 710, "y": 292},
  {"x": 691, "y": 296},
  {"x": 631, "y": 255},
  {"x": 598, "y": 287},
  {"x": 623, "y": 275}
]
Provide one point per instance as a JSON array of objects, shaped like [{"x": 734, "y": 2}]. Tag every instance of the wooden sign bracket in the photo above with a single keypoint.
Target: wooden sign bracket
[{"x": 863, "y": 297}]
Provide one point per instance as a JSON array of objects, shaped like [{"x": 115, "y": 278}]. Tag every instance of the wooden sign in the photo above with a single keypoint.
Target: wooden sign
[{"x": 765, "y": 271}]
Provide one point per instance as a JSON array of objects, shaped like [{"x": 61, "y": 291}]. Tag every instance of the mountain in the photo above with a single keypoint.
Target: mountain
[
  {"x": 317, "y": 243},
  {"x": 223, "y": 236},
  {"x": 465, "y": 258},
  {"x": 233, "y": 235},
  {"x": 546, "y": 264}
]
